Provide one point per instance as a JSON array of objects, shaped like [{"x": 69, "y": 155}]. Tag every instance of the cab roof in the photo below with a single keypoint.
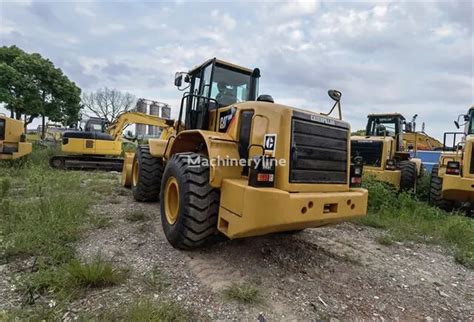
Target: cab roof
[
  {"x": 221, "y": 62},
  {"x": 386, "y": 114}
]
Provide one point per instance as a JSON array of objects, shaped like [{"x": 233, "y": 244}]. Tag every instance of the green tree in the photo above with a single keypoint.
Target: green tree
[
  {"x": 31, "y": 86},
  {"x": 359, "y": 133}
]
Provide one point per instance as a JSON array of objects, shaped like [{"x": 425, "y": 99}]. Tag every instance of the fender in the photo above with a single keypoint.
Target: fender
[{"x": 216, "y": 146}]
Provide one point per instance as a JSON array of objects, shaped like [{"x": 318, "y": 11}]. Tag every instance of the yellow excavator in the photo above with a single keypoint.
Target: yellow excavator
[
  {"x": 243, "y": 165},
  {"x": 99, "y": 146},
  {"x": 13, "y": 143}
]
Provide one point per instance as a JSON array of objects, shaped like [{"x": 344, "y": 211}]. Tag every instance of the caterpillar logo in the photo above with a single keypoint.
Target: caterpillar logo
[
  {"x": 225, "y": 118},
  {"x": 323, "y": 120}
]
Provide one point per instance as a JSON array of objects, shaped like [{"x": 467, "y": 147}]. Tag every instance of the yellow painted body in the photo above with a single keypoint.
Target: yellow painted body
[
  {"x": 249, "y": 211},
  {"x": 87, "y": 146},
  {"x": 12, "y": 139},
  {"x": 421, "y": 141},
  {"x": 92, "y": 147},
  {"x": 389, "y": 176},
  {"x": 83, "y": 146},
  {"x": 458, "y": 187},
  {"x": 157, "y": 146},
  {"x": 389, "y": 151}
]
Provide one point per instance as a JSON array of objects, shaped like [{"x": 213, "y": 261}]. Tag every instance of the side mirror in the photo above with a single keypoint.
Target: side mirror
[
  {"x": 178, "y": 79},
  {"x": 457, "y": 124},
  {"x": 335, "y": 95},
  {"x": 466, "y": 118}
]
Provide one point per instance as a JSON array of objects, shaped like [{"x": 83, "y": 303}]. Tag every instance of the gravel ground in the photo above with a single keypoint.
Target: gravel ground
[{"x": 339, "y": 272}]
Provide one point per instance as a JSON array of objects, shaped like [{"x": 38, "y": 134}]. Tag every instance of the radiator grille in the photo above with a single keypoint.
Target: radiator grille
[
  {"x": 370, "y": 151},
  {"x": 318, "y": 152}
]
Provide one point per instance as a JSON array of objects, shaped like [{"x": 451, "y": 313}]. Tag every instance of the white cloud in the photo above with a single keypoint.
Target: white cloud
[
  {"x": 92, "y": 65},
  {"x": 107, "y": 29},
  {"x": 7, "y": 27},
  {"x": 228, "y": 22},
  {"x": 299, "y": 7},
  {"x": 85, "y": 11}
]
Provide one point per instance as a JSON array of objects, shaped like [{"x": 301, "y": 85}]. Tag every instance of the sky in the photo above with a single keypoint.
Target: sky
[{"x": 412, "y": 57}]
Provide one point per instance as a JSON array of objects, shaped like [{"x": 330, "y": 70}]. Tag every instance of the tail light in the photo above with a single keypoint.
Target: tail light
[
  {"x": 357, "y": 169},
  {"x": 262, "y": 172},
  {"x": 453, "y": 167},
  {"x": 391, "y": 165}
]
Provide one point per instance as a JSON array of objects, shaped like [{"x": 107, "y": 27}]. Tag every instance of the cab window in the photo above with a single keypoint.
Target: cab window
[
  {"x": 471, "y": 123},
  {"x": 382, "y": 127},
  {"x": 229, "y": 87}
]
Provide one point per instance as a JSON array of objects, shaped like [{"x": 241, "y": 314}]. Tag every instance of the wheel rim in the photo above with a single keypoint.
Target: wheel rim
[
  {"x": 135, "y": 173},
  {"x": 171, "y": 200}
]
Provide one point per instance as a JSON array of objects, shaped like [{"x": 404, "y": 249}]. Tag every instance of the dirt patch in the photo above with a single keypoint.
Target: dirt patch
[{"x": 333, "y": 272}]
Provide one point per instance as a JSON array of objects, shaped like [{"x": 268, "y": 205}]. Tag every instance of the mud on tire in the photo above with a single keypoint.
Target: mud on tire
[
  {"x": 408, "y": 175},
  {"x": 147, "y": 172},
  {"x": 195, "y": 221},
  {"x": 436, "y": 187}
]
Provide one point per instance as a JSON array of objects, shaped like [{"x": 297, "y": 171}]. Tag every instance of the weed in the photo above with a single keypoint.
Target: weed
[
  {"x": 97, "y": 273},
  {"x": 100, "y": 221},
  {"x": 423, "y": 187},
  {"x": 384, "y": 240},
  {"x": 146, "y": 310},
  {"x": 244, "y": 293},
  {"x": 136, "y": 215},
  {"x": 4, "y": 187}
]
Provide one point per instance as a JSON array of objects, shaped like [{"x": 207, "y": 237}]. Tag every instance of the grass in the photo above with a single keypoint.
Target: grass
[
  {"x": 407, "y": 218},
  {"x": 245, "y": 293},
  {"x": 100, "y": 221},
  {"x": 97, "y": 273},
  {"x": 164, "y": 311},
  {"x": 43, "y": 210},
  {"x": 147, "y": 310},
  {"x": 136, "y": 215},
  {"x": 42, "y": 213}
]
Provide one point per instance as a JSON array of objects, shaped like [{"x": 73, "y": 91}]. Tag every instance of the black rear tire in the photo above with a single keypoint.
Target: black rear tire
[
  {"x": 408, "y": 176},
  {"x": 436, "y": 189},
  {"x": 147, "y": 172},
  {"x": 195, "y": 222}
]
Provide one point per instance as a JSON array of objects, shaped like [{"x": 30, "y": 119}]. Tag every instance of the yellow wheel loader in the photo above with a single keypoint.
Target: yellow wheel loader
[
  {"x": 384, "y": 153},
  {"x": 452, "y": 179},
  {"x": 243, "y": 165},
  {"x": 13, "y": 143},
  {"x": 100, "y": 145}
]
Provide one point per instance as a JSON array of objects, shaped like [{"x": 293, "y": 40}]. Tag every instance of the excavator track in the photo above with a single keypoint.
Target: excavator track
[{"x": 84, "y": 162}]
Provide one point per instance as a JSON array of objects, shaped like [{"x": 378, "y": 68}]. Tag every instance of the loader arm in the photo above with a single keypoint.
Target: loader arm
[{"x": 127, "y": 118}]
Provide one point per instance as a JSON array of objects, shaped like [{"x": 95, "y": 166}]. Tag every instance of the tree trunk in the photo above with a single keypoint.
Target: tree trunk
[
  {"x": 43, "y": 130},
  {"x": 12, "y": 113}
]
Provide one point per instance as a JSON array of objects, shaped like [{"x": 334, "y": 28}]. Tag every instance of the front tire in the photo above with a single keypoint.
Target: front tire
[
  {"x": 408, "y": 176},
  {"x": 436, "y": 189},
  {"x": 189, "y": 205},
  {"x": 147, "y": 172}
]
